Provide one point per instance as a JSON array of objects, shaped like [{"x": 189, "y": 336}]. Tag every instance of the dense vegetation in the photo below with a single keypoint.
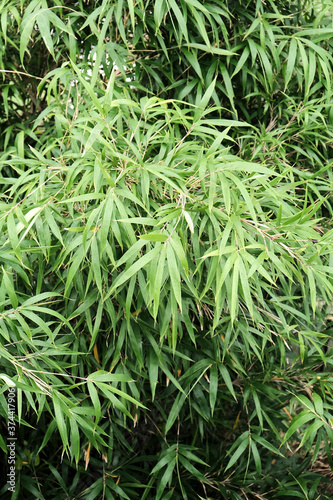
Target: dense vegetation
[{"x": 167, "y": 248}]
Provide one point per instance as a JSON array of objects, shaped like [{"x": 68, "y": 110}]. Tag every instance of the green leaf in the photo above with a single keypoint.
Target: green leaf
[
  {"x": 180, "y": 19},
  {"x": 211, "y": 49},
  {"x": 60, "y": 419},
  {"x": 228, "y": 85},
  {"x": 245, "y": 286},
  {"x": 163, "y": 481},
  {"x": 96, "y": 264},
  {"x": 74, "y": 439},
  {"x": 95, "y": 400},
  {"x": 256, "y": 457},
  {"x": 153, "y": 372},
  {"x": 243, "y": 443},
  {"x": 103, "y": 376},
  {"x": 313, "y": 294},
  {"x": 157, "y": 282},
  {"x": 133, "y": 269},
  {"x": 95, "y": 133},
  {"x": 10, "y": 289},
  {"x": 266, "y": 444},
  {"x": 226, "y": 377},
  {"x": 174, "y": 275},
  {"x": 191, "y": 469},
  {"x": 290, "y": 62},
  {"x": 44, "y": 27},
  {"x": 213, "y": 387},
  {"x": 89, "y": 89},
  {"x": 301, "y": 419},
  {"x": 174, "y": 411},
  {"x": 234, "y": 290},
  {"x": 193, "y": 60},
  {"x": 77, "y": 261},
  {"x": 318, "y": 403},
  {"x": 154, "y": 237}
]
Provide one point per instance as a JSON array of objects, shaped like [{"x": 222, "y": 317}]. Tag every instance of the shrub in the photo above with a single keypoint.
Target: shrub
[{"x": 166, "y": 248}]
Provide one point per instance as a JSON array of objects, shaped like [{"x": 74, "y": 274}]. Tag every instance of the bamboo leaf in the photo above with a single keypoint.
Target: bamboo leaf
[
  {"x": 154, "y": 237},
  {"x": 180, "y": 19},
  {"x": 226, "y": 377},
  {"x": 174, "y": 412},
  {"x": 243, "y": 444},
  {"x": 133, "y": 269},
  {"x": 60, "y": 419},
  {"x": 302, "y": 418},
  {"x": 174, "y": 275},
  {"x": 234, "y": 290},
  {"x": 213, "y": 387},
  {"x": 290, "y": 62}
]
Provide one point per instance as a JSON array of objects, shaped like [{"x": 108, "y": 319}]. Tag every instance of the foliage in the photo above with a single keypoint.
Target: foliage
[{"x": 166, "y": 247}]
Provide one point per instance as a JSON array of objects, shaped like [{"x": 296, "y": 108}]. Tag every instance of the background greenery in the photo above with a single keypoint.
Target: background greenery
[{"x": 166, "y": 248}]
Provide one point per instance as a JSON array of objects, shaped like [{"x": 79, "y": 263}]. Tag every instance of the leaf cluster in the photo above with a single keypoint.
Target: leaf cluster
[{"x": 166, "y": 248}]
